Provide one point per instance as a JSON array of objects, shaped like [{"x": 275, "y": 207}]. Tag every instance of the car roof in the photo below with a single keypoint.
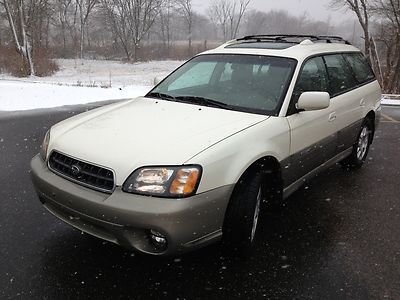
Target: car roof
[{"x": 299, "y": 50}]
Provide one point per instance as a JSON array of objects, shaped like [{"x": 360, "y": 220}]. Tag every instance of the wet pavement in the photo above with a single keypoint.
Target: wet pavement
[{"x": 338, "y": 237}]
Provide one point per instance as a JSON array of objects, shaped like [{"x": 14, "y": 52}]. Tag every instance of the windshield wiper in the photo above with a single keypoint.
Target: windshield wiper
[
  {"x": 202, "y": 101},
  {"x": 161, "y": 96},
  {"x": 190, "y": 99}
]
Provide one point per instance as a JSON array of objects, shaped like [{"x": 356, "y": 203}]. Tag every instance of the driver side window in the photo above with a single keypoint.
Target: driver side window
[{"x": 312, "y": 78}]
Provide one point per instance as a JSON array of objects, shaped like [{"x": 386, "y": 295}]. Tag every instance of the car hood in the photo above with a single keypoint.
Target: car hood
[{"x": 146, "y": 132}]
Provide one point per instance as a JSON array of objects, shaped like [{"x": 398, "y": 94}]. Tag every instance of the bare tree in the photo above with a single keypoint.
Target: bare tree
[
  {"x": 62, "y": 8},
  {"x": 85, "y": 7},
  {"x": 228, "y": 15},
  {"x": 237, "y": 16},
  {"x": 72, "y": 19},
  {"x": 362, "y": 9},
  {"x": 2, "y": 23},
  {"x": 387, "y": 12},
  {"x": 131, "y": 20},
  {"x": 164, "y": 25},
  {"x": 388, "y": 37},
  {"x": 185, "y": 8},
  {"x": 219, "y": 12},
  {"x": 37, "y": 20},
  {"x": 273, "y": 22},
  {"x": 16, "y": 19},
  {"x": 68, "y": 19}
]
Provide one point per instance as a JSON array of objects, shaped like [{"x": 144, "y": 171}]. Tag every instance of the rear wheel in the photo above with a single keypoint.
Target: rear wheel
[
  {"x": 361, "y": 147},
  {"x": 243, "y": 212}
]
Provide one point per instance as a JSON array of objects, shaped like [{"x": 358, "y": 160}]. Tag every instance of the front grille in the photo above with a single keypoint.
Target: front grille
[{"x": 81, "y": 172}]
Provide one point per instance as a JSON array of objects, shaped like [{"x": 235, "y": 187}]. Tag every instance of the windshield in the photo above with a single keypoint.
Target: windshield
[{"x": 240, "y": 82}]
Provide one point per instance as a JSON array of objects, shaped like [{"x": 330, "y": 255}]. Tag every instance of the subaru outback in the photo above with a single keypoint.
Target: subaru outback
[{"x": 192, "y": 162}]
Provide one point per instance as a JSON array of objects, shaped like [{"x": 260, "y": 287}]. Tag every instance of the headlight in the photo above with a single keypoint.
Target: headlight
[
  {"x": 45, "y": 145},
  {"x": 172, "y": 182}
]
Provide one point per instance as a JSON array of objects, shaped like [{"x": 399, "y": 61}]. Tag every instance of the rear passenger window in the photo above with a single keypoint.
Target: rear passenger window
[
  {"x": 341, "y": 77},
  {"x": 361, "y": 68}
]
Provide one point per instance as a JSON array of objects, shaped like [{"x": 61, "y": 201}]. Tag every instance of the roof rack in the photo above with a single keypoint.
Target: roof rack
[{"x": 293, "y": 38}]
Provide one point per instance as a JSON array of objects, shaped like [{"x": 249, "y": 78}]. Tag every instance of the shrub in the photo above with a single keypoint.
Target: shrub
[
  {"x": 12, "y": 63},
  {"x": 44, "y": 66}
]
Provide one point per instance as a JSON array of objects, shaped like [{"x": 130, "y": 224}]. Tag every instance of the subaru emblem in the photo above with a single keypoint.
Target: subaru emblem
[{"x": 76, "y": 170}]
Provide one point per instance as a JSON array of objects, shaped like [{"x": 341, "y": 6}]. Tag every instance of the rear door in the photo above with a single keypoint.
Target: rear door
[
  {"x": 346, "y": 98},
  {"x": 313, "y": 133}
]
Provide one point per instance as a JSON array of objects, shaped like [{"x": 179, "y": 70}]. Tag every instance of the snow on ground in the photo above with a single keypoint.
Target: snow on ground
[
  {"x": 104, "y": 73},
  {"x": 391, "y": 100},
  {"x": 80, "y": 81},
  {"x": 24, "y": 95}
]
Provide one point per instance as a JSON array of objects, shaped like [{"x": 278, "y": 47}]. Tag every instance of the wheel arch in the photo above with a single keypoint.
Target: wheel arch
[
  {"x": 271, "y": 168},
  {"x": 265, "y": 163},
  {"x": 233, "y": 219}
]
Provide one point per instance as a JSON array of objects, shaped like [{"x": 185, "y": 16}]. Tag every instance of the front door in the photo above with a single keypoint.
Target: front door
[{"x": 313, "y": 133}]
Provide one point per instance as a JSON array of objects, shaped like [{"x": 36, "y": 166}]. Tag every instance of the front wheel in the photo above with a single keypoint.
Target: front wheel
[
  {"x": 242, "y": 214},
  {"x": 361, "y": 147}
]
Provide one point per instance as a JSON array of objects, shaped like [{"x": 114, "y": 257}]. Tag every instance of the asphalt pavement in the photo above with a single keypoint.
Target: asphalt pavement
[{"x": 338, "y": 237}]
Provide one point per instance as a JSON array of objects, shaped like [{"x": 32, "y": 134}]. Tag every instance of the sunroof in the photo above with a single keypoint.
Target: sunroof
[{"x": 262, "y": 45}]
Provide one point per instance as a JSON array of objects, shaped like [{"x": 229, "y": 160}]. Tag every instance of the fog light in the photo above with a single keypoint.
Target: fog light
[{"x": 158, "y": 239}]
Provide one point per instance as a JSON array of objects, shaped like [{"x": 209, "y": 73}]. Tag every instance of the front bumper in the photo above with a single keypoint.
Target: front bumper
[{"x": 127, "y": 219}]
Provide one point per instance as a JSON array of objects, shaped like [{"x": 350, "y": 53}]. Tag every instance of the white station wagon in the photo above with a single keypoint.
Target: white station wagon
[{"x": 191, "y": 162}]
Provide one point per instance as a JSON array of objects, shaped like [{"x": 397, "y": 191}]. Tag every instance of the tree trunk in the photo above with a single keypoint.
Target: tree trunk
[
  {"x": 135, "y": 51},
  {"x": 23, "y": 48},
  {"x": 81, "y": 38},
  {"x": 367, "y": 44},
  {"x": 26, "y": 45},
  {"x": 126, "y": 50},
  {"x": 64, "y": 37},
  {"x": 190, "y": 38}
]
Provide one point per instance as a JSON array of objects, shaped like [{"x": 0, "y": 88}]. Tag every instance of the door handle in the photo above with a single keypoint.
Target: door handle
[
  {"x": 332, "y": 117},
  {"x": 362, "y": 102}
]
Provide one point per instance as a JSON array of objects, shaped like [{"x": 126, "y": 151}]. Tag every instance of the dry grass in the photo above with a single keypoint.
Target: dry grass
[
  {"x": 177, "y": 51},
  {"x": 154, "y": 50}
]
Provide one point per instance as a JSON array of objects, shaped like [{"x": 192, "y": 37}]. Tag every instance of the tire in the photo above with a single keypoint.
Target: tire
[
  {"x": 361, "y": 147},
  {"x": 241, "y": 218}
]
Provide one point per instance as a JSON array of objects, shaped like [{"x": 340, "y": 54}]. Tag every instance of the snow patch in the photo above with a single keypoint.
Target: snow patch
[
  {"x": 390, "y": 102},
  {"x": 80, "y": 82},
  {"x": 390, "y": 99},
  {"x": 24, "y": 96}
]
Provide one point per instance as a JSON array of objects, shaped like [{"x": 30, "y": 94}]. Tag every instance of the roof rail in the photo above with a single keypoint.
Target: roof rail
[{"x": 293, "y": 38}]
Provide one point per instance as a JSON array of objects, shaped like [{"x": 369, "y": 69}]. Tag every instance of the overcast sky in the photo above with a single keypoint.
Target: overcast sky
[{"x": 316, "y": 9}]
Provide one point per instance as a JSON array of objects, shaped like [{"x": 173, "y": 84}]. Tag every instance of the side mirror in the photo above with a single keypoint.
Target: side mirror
[
  {"x": 158, "y": 79},
  {"x": 310, "y": 101}
]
